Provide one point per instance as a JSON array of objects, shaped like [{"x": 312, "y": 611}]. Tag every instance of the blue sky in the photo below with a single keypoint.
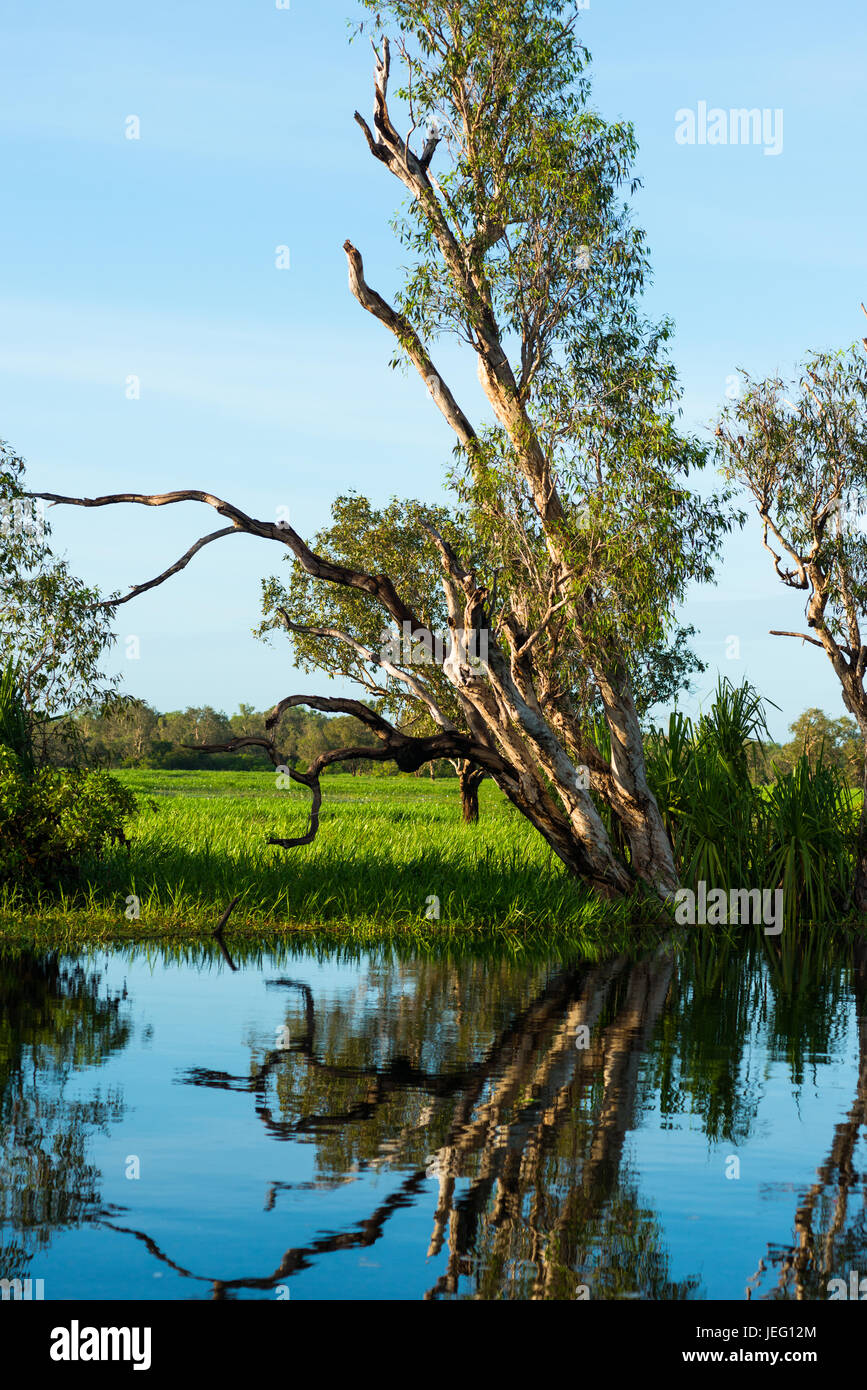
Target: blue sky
[{"x": 155, "y": 258}]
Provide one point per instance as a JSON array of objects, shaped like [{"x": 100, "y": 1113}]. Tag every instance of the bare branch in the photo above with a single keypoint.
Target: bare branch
[
  {"x": 803, "y": 636},
  {"x": 379, "y": 586},
  {"x": 226, "y": 915},
  {"x": 173, "y": 569},
  {"x": 243, "y": 741},
  {"x": 220, "y": 928},
  {"x": 408, "y": 752},
  {"x": 165, "y": 499},
  {"x": 795, "y": 579},
  {"x": 331, "y": 705},
  {"x": 376, "y": 149},
  {"x": 451, "y": 562},
  {"x": 410, "y": 341}
]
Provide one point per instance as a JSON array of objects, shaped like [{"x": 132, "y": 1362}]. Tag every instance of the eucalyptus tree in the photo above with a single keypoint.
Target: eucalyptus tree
[
  {"x": 335, "y": 631},
  {"x": 800, "y": 450},
  {"x": 53, "y": 632},
  {"x": 574, "y": 531}
]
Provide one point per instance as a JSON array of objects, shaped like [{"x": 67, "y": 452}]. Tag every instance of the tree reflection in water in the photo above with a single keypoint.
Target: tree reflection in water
[
  {"x": 55, "y": 1019},
  {"x": 522, "y": 1130},
  {"x": 464, "y": 1082}
]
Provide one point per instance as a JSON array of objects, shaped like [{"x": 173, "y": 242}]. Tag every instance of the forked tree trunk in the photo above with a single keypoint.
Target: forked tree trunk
[
  {"x": 470, "y": 780},
  {"x": 634, "y": 802}
]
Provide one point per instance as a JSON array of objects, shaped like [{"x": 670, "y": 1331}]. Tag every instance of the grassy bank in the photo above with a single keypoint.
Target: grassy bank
[{"x": 390, "y": 852}]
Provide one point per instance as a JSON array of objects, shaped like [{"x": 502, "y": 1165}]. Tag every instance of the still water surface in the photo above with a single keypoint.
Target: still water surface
[{"x": 686, "y": 1125}]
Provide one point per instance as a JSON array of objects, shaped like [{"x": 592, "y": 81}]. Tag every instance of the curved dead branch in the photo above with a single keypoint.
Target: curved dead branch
[
  {"x": 409, "y": 340},
  {"x": 408, "y": 752},
  {"x": 379, "y": 586},
  {"x": 173, "y": 569}
]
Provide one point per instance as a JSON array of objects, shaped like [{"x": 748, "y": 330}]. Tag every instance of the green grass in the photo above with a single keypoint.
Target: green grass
[{"x": 386, "y": 845}]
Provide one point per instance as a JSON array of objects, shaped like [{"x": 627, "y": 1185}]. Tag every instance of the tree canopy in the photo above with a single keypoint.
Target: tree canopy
[{"x": 799, "y": 449}]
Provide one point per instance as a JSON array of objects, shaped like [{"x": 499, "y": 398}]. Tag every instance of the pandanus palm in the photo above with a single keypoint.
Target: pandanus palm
[{"x": 14, "y": 724}]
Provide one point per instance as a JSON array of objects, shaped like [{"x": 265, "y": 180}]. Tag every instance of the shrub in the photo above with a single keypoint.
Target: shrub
[{"x": 50, "y": 818}]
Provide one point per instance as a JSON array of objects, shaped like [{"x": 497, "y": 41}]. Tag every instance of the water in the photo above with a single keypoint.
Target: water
[{"x": 311, "y": 1126}]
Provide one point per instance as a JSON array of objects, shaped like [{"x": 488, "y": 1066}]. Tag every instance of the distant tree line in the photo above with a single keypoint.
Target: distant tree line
[{"x": 132, "y": 733}]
